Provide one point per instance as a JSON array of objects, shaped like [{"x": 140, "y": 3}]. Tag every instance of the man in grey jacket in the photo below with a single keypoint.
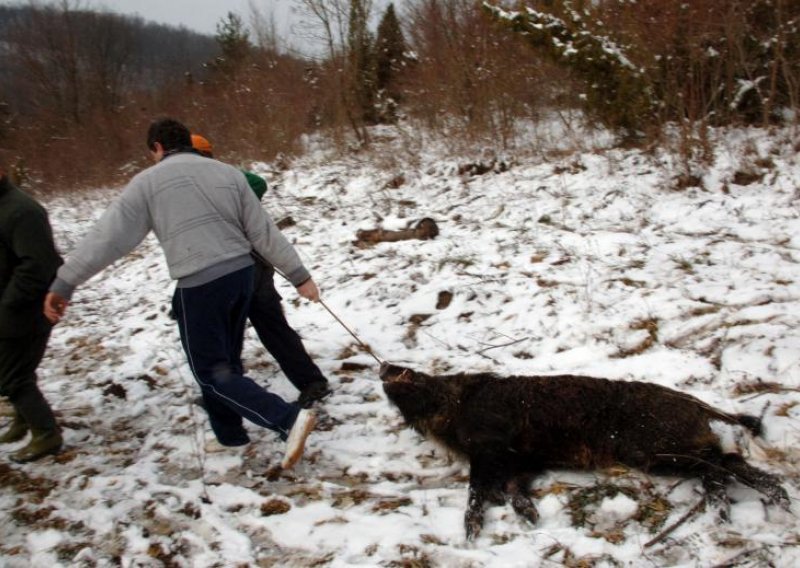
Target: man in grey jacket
[{"x": 208, "y": 222}]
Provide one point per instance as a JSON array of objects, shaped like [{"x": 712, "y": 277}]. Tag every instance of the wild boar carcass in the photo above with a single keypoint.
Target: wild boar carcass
[{"x": 513, "y": 428}]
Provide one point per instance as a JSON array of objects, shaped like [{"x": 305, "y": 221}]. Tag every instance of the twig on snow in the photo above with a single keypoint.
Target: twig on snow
[
  {"x": 503, "y": 345},
  {"x": 665, "y": 533}
]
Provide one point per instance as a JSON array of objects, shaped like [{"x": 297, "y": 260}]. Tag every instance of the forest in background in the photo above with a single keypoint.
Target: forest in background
[{"x": 80, "y": 86}]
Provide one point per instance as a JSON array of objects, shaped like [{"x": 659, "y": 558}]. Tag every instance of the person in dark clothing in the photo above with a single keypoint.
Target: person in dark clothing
[
  {"x": 268, "y": 319},
  {"x": 28, "y": 264}
]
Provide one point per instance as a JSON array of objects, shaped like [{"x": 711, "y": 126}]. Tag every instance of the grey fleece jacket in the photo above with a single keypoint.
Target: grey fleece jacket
[{"x": 203, "y": 213}]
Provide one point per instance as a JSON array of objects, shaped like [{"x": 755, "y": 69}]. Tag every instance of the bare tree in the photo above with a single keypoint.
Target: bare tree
[
  {"x": 72, "y": 74},
  {"x": 107, "y": 48},
  {"x": 341, "y": 25},
  {"x": 264, "y": 27},
  {"x": 468, "y": 74},
  {"x": 327, "y": 21},
  {"x": 44, "y": 50},
  {"x": 71, "y": 59}
]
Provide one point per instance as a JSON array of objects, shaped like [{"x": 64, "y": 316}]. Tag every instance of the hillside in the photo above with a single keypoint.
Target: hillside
[{"x": 588, "y": 262}]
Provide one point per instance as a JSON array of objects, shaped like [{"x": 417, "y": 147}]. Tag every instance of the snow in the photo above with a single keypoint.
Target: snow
[{"x": 589, "y": 262}]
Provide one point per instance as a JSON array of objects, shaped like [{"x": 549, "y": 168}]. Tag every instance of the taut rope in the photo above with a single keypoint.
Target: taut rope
[{"x": 361, "y": 343}]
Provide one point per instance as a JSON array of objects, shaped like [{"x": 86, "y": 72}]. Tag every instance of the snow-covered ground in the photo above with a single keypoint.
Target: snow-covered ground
[{"x": 591, "y": 262}]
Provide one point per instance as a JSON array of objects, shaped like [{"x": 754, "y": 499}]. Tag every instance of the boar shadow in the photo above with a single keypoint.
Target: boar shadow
[{"x": 512, "y": 429}]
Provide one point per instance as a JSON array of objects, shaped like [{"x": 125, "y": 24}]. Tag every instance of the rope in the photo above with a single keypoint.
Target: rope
[{"x": 364, "y": 345}]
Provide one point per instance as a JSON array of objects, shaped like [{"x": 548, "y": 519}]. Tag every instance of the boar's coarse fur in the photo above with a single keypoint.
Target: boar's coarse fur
[{"x": 513, "y": 428}]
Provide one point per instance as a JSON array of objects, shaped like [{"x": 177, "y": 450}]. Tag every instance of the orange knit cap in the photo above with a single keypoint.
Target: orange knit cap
[{"x": 201, "y": 144}]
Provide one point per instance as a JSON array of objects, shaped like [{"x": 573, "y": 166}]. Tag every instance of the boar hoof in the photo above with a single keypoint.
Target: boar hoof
[
  {"x": 717, "y": 496},
  {"x": 723, "y": 507},
  {"x": 525, "y": 508},
  {"x": 473, "y": 528},
  {"x": 777, "y": 495},
  {"x": 473, "y": 523}
]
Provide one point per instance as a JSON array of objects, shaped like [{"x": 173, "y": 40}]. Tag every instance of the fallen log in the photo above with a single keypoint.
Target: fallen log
[{"x": 424, "y": 229}]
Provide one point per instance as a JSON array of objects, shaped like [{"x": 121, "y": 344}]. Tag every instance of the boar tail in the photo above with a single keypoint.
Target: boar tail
[{"x": 752, "y": 423}]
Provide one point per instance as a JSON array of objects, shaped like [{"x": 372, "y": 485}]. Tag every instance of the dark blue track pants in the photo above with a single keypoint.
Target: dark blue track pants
[{"x": 211, "y": 319}]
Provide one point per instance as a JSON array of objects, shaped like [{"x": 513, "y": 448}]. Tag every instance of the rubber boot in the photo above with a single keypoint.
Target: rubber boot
[
  {"x": 43, "y": 443},
  {"x": 16, "y": 430},
  {"x": 32, "y": 407}
]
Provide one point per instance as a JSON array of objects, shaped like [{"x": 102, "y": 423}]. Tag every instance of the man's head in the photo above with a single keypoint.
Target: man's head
[
  {"x": 202, "y": 145},
  {"x": 167, "y": 135}
]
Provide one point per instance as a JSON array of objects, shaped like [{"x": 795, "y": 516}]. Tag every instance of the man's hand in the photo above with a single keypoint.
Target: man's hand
[
  {"x": 309, "y": 290},
  {"x": 54, "y": 307}
]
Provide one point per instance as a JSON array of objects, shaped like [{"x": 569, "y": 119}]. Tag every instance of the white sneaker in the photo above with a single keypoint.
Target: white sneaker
[
  {"x": 212, "y": 446},
  {"x": 303, "y": 425}
]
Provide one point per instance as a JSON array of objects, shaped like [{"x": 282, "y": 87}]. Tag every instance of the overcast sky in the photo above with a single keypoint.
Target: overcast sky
[
  {"x": 198, "y": 15},
  {"x": 203, "y": 15}
]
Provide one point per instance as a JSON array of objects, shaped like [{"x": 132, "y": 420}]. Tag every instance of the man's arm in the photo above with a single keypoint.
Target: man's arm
[
  {"x": 31, "y": 240},
  {"x": 118, "y": 231},
  {"x": 270, "y": 244}
]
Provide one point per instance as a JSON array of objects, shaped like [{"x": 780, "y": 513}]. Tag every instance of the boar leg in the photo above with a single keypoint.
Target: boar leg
[
  {"x": 759, "y": 480},
  {"x": 705, "y": 464},
  {"x": 716, "y": 494},
  {"x": 517, "y": 490},
  {"x": 486, "y": 480},
  {"x": 720, "y": 467},
  {"x": 716, "y": 468}
]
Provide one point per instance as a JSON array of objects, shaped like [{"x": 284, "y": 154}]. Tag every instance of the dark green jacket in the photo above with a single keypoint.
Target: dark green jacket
[
  {"x": 259, "y": 187},
  {"x": 28, "y": 262},
  {"x": 256, "y": 183}
]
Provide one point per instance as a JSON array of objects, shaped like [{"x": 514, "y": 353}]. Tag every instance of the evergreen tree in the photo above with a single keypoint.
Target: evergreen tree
[
  {"x": 361, "y": 60},
  {"x": 234, "y": 43},
  {"x": 390, "y": 48},
  {"x": 617, "y": 92}
]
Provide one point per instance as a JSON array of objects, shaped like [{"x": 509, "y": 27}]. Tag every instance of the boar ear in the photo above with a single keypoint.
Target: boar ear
[{"x": 405, "y": 375}]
